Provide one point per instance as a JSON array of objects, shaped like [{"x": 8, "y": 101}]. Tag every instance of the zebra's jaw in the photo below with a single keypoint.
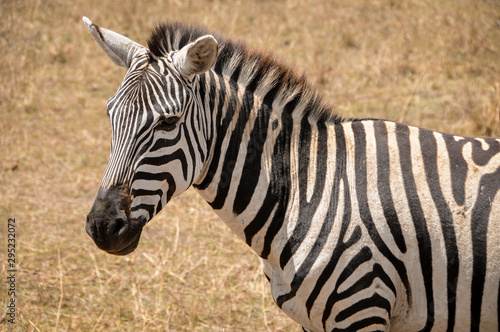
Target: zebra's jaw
[{"x": 109, "y": 223}]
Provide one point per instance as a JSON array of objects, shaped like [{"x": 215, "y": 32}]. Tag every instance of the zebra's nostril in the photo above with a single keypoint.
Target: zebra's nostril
[{"x": 119, "y": 224}]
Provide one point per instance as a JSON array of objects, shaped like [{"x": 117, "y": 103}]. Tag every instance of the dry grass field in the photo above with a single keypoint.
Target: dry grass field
[{"x": 428, "y": 63}]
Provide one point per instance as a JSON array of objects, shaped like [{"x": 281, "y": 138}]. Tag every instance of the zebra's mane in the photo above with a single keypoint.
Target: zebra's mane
[{"x": 258, "y": 71}]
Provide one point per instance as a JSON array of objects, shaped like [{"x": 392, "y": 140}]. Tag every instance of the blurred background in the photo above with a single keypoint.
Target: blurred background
[{"x": 434, "y": 64}]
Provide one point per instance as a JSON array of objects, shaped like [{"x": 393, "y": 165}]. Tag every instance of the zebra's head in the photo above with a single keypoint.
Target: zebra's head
[{"x": 156, "y": 151}]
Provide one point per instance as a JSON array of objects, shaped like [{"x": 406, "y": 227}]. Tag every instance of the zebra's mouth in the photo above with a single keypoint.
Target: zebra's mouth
[{"x": 128, "y": 249}]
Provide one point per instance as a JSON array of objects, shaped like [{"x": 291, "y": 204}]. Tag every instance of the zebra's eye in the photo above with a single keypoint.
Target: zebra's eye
[{"x": 167, "y": 124}]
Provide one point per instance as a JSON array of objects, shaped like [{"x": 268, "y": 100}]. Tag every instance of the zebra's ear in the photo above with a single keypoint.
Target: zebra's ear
[
  {"x": 119, "y": 48},
  {"x": 197, "y": 57}
]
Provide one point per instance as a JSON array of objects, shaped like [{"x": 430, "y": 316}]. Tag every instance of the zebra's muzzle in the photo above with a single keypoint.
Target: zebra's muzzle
[{"x": 109, "y": 223}]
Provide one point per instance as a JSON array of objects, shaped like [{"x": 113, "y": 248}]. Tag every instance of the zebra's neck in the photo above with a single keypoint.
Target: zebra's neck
[{"x": 247, "y": 176}]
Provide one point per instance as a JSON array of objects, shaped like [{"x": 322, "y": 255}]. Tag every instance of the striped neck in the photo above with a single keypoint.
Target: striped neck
[
  {"x": 247, "y": 177},
  {"x": 245, "y": 170}
]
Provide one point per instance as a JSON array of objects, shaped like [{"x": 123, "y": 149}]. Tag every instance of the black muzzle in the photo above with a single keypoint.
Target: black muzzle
[{"x": 109, "y": 223}]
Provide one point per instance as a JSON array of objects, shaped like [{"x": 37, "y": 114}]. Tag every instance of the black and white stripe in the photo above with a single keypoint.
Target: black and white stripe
[{"x": 360, "y": 224}]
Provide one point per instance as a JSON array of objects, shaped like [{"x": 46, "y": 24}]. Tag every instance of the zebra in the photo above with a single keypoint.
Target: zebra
[{"x": 360, "y": 224}]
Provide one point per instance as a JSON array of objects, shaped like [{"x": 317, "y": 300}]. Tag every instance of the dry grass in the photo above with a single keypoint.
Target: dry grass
[{"x": 428, "y": 63}]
